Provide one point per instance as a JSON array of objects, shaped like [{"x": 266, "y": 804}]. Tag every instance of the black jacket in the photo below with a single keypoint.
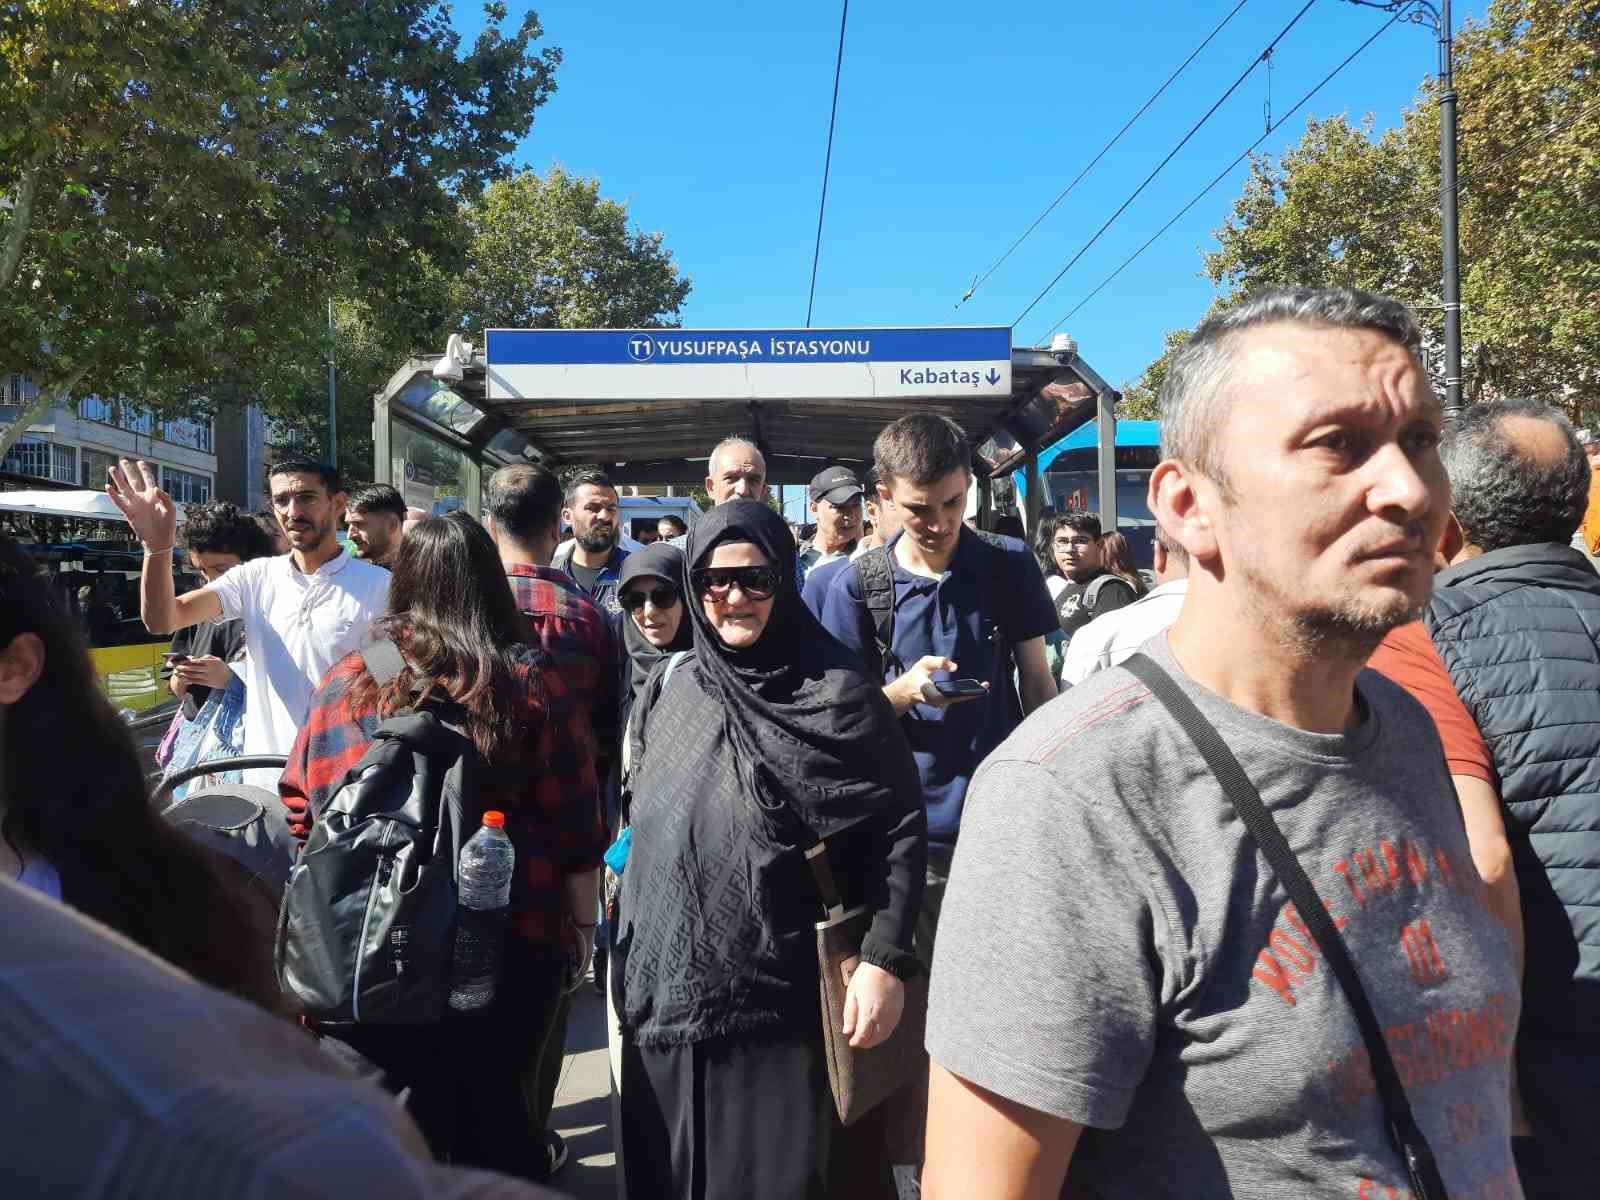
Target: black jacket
[{"x": 1519, "y": 631}]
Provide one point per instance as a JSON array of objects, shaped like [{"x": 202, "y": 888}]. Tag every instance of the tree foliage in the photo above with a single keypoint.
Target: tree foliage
[
  {"x": 1347, "y": 207},
  {"x": 1141, "y": 399},
  {"x": 184, "y": 183},
  {"x": 547, "y": 252}
]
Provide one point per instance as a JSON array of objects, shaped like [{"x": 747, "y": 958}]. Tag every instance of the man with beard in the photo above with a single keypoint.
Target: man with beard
[
  {"x": 302, "y": 611},
  {"x": 1165, "y": 1020},
  {"x": 375, "y": 516},
  {"x": 593, "y": 558}
]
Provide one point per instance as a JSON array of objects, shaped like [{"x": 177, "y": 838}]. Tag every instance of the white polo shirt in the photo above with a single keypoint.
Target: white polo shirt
[{"x": 296, "y": 626}]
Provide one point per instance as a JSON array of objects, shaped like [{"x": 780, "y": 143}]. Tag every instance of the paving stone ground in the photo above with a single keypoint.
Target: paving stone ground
[{"x": 583, "y": 1104}]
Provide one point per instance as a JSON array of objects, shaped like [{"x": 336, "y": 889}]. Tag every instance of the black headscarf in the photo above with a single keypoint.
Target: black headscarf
[
  {"x": 806, "y": 723},
  {"x": 664, "y": 562}
]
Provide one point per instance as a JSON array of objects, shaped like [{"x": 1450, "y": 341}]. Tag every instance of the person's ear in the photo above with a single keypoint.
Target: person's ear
[
  {"x": 21, "y": 664},
  {"x": 1451, "y": 543},
  {"x": 1181, "y": 500}
]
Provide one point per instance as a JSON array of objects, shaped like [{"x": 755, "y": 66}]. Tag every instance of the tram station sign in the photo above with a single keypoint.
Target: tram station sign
[{"x": 746, "y": 364}]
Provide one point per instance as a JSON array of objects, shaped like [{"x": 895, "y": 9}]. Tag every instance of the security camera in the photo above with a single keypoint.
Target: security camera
[
  {"x": 1064, "y": 347},
  {"x": 457, "y": 354}
]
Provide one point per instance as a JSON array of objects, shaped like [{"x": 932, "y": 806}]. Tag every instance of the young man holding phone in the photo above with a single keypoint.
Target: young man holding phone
[{"x": 968, "y": 609}]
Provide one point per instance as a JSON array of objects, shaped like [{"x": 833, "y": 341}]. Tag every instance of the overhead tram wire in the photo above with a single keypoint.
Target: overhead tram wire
[
  {"x": 1171, "y": 154},
  {"x": 827, "y": 163},
  {"x": 1224, "y": 173},
  {"x": 1115, "y": 138}
]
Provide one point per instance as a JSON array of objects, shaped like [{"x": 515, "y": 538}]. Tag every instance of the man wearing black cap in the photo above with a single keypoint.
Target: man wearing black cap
[{"x": 836, "y": 502}]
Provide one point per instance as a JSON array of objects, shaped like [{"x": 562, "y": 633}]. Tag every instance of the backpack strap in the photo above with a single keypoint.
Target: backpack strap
[
  {"x": 876, "y": 572},
  {"x": 1091, "y": 594},
  {"x": 383, "y": 659}
]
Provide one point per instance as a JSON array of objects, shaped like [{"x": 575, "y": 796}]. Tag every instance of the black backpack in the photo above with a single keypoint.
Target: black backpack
[{"x": 367, "y": 930}]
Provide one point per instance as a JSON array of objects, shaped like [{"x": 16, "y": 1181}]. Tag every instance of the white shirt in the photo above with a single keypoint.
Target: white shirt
[
  {"x": 296, "y": 626},
  {"x": 1106, "y": 641}
]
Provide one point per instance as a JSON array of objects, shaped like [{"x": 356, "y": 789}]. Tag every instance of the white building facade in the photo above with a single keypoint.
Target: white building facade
[{"x": 73, "y": 444}]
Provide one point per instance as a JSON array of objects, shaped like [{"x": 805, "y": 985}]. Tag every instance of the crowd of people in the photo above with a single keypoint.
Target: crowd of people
[{"x": 1269, "y": 872}]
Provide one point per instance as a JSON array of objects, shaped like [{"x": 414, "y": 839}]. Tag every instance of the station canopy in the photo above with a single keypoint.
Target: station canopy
[{"x": 649, "y": 404}]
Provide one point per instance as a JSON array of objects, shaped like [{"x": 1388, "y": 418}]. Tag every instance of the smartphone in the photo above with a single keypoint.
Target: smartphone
[
  {"x": 959, "y": 687},
  {"x": 173, "y": 659}
]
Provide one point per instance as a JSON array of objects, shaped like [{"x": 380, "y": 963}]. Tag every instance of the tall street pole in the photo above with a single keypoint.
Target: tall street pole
[
  {"x": 1450, "y": 229},
  {"x": 1420, "y": 12},
  {"x": 333, "y": 413}
]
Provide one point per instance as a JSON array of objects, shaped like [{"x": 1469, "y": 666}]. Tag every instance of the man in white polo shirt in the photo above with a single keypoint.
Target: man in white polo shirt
[{"x": 302, "y": 611}]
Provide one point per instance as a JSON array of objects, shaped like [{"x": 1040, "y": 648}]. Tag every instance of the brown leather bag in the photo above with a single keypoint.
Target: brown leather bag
[{"x": 860, "y": 1079}]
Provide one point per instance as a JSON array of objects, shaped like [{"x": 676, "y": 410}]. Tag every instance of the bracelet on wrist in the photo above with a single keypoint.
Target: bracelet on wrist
[{"x": 150, "y": 552}]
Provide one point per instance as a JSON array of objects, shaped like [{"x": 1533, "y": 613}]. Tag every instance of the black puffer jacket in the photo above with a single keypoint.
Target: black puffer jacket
[{"x": 1519, "y": 631}]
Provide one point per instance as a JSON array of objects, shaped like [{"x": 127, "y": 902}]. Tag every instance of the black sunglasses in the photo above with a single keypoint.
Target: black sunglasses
[
  {"x": 664, "y": 596},
  {"x": 757, "y": 583}
]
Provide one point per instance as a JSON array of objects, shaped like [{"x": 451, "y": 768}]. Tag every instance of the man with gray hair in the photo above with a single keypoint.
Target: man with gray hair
[
  {"x": 736, "y": 468},
  {"x": 1516, "y": 621},
  {"x": 1173, "y": 1016}
]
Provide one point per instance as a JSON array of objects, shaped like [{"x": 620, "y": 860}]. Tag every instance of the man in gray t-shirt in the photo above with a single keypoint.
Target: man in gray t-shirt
[{"x": 1159, "y": 1021}]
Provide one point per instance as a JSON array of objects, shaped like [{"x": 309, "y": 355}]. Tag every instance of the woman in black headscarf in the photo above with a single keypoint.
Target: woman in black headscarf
[
  {"x": 768, "y": 735},
  {"x": 655, "y": 625}
]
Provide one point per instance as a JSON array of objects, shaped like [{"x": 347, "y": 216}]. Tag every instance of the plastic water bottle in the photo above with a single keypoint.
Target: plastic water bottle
[{"x": 483, "y": 893}]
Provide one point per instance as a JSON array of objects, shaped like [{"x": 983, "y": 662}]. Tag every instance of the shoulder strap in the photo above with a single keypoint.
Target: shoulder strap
[
  {"x": 876, "y": 572},
  {"x": 384, "y": 660},
  {"x": 1246, "y": 800},
  {"x": 1091, "y": 594},
  {"x": 672, "y": 665}
]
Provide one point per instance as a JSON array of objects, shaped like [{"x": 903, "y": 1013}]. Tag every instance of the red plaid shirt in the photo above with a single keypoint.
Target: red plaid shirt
[
  {"x": 553, "y": 823},
  {"x": 576, "y": 634}
]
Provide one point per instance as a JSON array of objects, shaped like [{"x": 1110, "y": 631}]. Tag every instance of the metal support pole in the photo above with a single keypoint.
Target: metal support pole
[
  {"x": 1033, "y": 499},
  {"x": 1106, "y": 466},
  {"x": 1448, "y": 219},
  {"x": 333, "y": 414}
]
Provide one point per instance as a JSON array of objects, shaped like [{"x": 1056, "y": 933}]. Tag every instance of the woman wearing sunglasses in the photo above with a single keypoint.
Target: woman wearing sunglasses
[
  {"x": 654, "y": 626},
  {"x": 766, "y": 738}
]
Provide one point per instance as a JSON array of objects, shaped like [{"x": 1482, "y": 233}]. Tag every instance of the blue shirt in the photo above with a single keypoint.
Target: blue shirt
[
  {"x": 609, "y": 579},
  {"x": 818, "y": 580},
  {"x": 990, "y": 599}
]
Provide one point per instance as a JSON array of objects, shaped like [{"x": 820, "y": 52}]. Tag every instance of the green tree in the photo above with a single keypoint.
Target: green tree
[
  {"x": 184, "y": 183},
  {"x": 547, "y": 252},
  {"x": 1141, "y": 399},
  {"x": 1344, "y": 207}
]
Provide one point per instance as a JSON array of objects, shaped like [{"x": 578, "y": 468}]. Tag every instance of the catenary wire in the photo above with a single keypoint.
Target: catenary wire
[
  {"x": 1171, "y": 154},
  {"x": 1104, "y": 150},
  {"x": 1224, "y": 173},
  {"x": 827, "y": 163}
]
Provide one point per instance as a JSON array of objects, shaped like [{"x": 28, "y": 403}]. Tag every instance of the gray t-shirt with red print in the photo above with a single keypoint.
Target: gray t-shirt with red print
[{"x": 1114, "y": 950}]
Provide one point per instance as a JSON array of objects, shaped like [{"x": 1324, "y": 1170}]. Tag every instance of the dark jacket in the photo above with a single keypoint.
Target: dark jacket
[{"x": 1519, "y": 631}]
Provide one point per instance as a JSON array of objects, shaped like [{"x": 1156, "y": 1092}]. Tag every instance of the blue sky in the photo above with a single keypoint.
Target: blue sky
[{"x": 957, "y": 124}]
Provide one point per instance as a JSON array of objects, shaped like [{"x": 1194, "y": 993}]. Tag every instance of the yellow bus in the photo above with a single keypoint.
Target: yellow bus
[{"x": 95, "y": 561}]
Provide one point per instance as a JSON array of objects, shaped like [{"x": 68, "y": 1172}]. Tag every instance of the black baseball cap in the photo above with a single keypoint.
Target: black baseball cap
[{"x": 836, "y": 485}]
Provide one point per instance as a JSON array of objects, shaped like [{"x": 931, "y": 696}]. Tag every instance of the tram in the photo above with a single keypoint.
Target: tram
[{"x": 82, "y": 541}]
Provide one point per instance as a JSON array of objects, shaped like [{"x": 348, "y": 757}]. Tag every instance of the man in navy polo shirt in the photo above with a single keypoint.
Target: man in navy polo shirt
[{"x": 966, "y": 606}]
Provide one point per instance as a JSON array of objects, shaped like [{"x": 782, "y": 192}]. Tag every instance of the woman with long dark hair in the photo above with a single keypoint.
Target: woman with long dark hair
[
  {"x": 1116, "y": 556},
  {"x": 76, "y": 818},
  {"x": 768, "y": 737},
  {"x": 453, "y": 619}
]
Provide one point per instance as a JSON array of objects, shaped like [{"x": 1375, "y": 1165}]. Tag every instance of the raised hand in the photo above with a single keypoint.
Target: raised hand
[{"x": 150, "y": 511}]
